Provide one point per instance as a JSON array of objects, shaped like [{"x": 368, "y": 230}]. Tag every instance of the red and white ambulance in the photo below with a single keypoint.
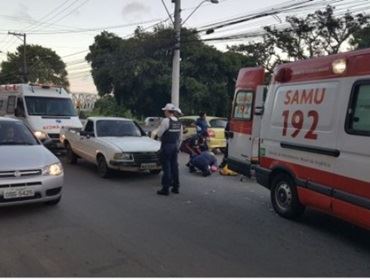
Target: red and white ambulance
[{"x": 309, "y": 140}]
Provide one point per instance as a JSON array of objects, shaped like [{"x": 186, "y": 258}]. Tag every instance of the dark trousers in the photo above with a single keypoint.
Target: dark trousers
[{"x": 170, "y": 166}]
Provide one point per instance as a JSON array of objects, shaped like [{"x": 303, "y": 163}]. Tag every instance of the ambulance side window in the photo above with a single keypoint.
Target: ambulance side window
[
  {"x": 243, "y": 105},
  {"x": 358, "y": 119},
  {"x": 11, "y": 105}
]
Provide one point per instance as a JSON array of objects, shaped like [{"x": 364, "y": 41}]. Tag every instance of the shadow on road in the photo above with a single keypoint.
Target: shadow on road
[{"x": 336, "y": 228}]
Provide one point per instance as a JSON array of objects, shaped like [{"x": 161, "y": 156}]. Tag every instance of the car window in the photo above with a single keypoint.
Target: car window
[
  {"x": 117, "y": 128},
  {"x": 89, "y": 126},
  {"x": 16, "y": 133},
  {"x": 187, "y": 122},
  {"x": 218, "y": 123}
]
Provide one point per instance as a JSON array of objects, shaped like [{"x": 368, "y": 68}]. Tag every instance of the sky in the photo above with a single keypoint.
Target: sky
[{"x": 51, "y": 17}]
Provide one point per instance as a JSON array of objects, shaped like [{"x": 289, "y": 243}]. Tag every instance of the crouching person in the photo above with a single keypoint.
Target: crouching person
[{"x": 205, "y": 162}]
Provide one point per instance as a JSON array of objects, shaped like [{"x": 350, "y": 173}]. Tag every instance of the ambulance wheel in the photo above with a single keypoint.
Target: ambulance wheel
[
  {"x": 284, "y": 197},
  {"x": 103, "y": 170},
  {"x": 71, "y": 156}
]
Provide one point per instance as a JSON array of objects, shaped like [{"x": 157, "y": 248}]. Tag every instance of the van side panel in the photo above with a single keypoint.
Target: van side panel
[
  {"x": 330, "y": 166},
  {"x": 352, "y": 197}
]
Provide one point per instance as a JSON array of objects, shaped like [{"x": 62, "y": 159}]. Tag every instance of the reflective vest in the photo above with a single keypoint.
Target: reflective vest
[{"x": 172, "y": 134}]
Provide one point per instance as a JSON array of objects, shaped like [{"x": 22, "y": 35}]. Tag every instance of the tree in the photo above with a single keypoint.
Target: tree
[
  {"x": 107, "y": 105},
  {"x": 138, "y": 71},
  {"x": 319, "y": 33},
  {"x": 44, "y": 66},
  {"x": 361, "y": 38}
]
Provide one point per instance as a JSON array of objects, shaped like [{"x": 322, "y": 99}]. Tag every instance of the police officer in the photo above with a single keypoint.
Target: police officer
[{"x": 170, "y": 132}]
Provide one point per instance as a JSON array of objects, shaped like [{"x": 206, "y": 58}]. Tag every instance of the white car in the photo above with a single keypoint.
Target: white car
[
  {"x": 113, "y": 143},
  {"x": 28, "y": 171}
]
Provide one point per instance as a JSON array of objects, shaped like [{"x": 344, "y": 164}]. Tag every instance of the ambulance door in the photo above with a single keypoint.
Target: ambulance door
[
  {"x": 245, "y": 129},
  {"x": 351, "y": 195}
]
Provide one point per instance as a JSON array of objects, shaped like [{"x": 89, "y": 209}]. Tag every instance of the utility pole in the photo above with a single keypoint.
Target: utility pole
[
  {"x": 20, "y": 35},
  {"x": 175, "y": 92}
]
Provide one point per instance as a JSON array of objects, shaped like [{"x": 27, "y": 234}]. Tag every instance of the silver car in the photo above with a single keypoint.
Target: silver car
[{"x": 28, "y": 171}]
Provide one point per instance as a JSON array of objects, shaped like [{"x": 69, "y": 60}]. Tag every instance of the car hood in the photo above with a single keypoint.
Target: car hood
[
  {"x": 133, "y": 144},
  {"x": 25, "y": 157}
]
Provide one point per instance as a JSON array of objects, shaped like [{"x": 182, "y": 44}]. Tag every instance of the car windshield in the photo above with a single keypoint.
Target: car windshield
[
  {"x": 117, "y": 128},
  {"x": 218, "y": 123},
  {"x": 49, "y": 106},
  {"x": 15, "y": 133}
]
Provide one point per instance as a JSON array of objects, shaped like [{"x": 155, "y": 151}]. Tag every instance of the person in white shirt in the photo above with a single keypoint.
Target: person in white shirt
[{"x": 169, "y": 132}]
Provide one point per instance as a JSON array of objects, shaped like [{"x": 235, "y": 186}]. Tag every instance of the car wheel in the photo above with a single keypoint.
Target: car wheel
[
  {"x": 103, "y": 169},
  {"x": 155, "y": 172},
  {"x": 284, "y": 197},
  {"x": 71, "y": 156},
  {"x": 53, "y": 202}
]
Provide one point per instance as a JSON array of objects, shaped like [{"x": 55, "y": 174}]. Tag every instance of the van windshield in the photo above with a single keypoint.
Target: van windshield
[
  {"x": 15, "y": 133},
  {"x": 49, "y": 106}
]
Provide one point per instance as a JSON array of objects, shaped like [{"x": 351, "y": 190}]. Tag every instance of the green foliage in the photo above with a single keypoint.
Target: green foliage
[
  {"x": 107, "y": 106},
  {"x": 361, "y": 38},
  {"x": 138, "y": 72},
  {"x": 319, "y": 33},
  {"x": 44, "y": 66}
]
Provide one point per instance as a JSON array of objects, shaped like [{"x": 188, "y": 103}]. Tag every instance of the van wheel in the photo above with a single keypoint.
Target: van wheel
[
  {"x": 71, "y": 156},
  {"x": 284, "y": 197},
  {"x": 53, "y": 202},
  {"x": 103, "y": 170}
]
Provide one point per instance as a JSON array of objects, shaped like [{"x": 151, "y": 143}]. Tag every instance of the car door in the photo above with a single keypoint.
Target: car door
[{"x": 88, "y": 142}]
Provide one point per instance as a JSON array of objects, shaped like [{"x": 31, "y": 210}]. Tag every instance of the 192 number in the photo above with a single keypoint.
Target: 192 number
[{"x": 297, "y": 120}]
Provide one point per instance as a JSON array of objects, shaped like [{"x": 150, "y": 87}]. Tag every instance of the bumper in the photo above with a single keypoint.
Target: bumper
[
  {"x": 239, "y": 167},
  {"x": 133, "y": 166},
  {"x": 215, "y": 143},
  {"x": 55, "y": 145},
  {"x": 45, "y": 188},
  {"x": 263, "y": 176}
]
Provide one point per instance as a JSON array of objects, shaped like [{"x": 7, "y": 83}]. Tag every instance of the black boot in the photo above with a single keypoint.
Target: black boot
[
  {"x": 163, "y": 192},
  {"x": 175, "y": 190}
]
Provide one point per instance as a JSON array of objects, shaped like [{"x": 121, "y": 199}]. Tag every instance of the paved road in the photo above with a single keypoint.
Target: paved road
[{"x": 217, "y": 226}]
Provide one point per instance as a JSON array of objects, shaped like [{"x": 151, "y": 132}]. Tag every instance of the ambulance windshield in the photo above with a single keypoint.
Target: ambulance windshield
[{"x": 49, "y": 106}]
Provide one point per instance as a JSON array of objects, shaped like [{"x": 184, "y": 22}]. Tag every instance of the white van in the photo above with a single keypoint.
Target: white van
[
  {"x": 45, "y": 109},
  {"x": 311, "y": 136}
]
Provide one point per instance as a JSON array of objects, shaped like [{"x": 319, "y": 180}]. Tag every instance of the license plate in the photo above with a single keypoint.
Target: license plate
[
  {"x": 16, "y": 193},
  {"x": 148, "y": 165}
]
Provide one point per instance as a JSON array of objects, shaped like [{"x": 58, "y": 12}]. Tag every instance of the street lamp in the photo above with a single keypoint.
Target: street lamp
[
  {"x": 175, "y": 91},
  {"x": 197, "y": 7}
]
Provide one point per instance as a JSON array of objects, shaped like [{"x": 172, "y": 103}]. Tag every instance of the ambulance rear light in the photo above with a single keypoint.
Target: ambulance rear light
[
  {"x": 283, "y": 75},
  {"x": 339, "y": 66},
  {"x": 211, "y": 133}
]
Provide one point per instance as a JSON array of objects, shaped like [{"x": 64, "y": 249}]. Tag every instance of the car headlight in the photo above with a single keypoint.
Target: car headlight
[
  {"x": 123, "y": 156},
  {"x": 41, "y": 135},
  {"x": 55, "y": 169}
]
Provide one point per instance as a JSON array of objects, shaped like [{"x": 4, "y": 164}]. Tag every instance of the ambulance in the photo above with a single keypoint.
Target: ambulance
[
  {"x": 45, "y": 109},
  {"x": 307, "y": 137}
]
